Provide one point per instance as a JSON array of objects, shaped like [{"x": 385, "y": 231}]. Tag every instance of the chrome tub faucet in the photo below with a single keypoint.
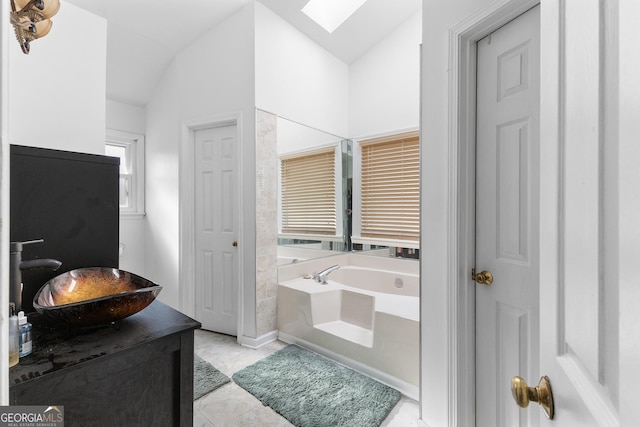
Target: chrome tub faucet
[{"x": 321, "y": 277}]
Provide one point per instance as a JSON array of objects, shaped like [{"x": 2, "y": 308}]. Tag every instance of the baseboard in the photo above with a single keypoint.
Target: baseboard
[
  {"x": 258, "y": 342},
  {"x": 409, "y": 390}
]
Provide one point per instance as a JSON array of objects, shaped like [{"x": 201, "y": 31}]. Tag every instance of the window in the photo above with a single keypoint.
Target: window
[
  {"x": 390, "y": 190},
  {"x": 308, "y": 193},
  {"x": 130, "y": 149}
]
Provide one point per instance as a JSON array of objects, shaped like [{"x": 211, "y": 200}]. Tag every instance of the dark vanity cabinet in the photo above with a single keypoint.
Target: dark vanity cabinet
[{"x": 135, "y": 372}]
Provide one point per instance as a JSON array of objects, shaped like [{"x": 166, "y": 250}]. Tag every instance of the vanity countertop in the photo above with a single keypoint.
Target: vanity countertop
[
  {"x": 56, "y": 347},
  {"x": 136, "y": 371}
]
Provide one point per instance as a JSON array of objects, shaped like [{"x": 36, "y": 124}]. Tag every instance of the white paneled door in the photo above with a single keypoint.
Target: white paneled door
[
  {"x": 546, "y": 221},
  {"x": 507, "y": 219},
  {"x": 216, "y": 225},
  {"x": 581, "y": 339}
]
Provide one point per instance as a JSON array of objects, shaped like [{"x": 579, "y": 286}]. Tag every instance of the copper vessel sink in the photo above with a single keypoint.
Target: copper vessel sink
[{"x": 94, "y": 296}]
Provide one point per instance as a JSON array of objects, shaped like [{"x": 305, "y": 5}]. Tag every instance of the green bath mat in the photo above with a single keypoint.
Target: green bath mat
[
  {"x": 206, "y": 378},
  {"x": 312, "y": 391}
]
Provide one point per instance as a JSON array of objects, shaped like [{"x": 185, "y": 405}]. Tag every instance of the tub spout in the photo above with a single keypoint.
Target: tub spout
[{"x": 322, "y": 276}]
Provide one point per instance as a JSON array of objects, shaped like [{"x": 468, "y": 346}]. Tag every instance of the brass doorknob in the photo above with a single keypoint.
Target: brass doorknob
[
  {"x": 235, "y": 244},
  {"x": 523, "y": 394},
  {"x": 484, "y": 277}
]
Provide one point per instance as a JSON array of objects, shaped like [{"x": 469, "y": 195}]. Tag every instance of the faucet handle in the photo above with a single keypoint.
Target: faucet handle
[{"x": 17, "y": 246}]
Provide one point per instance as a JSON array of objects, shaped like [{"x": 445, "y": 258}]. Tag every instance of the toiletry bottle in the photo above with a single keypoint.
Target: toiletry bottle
[
  {"x": 26, "y": 345},
  {"x": 14, "y": 336}
]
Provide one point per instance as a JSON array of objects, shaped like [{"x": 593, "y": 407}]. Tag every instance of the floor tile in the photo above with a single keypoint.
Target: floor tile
[{"x": 232, "y": 406}]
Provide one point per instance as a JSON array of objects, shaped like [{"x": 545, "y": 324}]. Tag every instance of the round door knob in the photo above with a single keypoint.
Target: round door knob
[
  {"x": 484, "y": 277},
  {"x": 235, "y": 244},
  {"x": 523, "y": 394}
]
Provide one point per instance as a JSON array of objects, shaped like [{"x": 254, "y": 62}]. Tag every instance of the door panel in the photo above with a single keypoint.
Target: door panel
[
  {"x": 512, "y": 185},
  {"x": 580, "y": 349},
  {"x": 216, "y": 229},
  {"x": 507, "y": 164}
]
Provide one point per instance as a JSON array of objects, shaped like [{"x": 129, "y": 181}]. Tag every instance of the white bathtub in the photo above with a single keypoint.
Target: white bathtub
[
  {"x": 378, "y": 280},
  {"x": 364, "y": 317}
]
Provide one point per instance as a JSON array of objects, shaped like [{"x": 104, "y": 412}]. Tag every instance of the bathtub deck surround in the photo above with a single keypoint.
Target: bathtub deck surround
[
  {"x": 366, "y": 316},
  {"x": 334, "y": 309},
  {"x": 323, "y": 259}
]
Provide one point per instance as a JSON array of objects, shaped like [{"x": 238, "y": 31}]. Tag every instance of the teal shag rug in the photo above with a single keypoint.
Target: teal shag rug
[
  {"x": 312, "y": 391},
  {"x": 206, "y": 378}
]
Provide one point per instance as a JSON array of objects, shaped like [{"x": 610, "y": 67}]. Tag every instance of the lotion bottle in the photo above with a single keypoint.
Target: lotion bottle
[
  {"x": 26, "y": 344},
  {"x": 14, "y": 336}
]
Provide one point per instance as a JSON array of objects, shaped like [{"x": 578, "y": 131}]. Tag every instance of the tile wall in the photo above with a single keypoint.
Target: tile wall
[{"x": 266, "y": 222}]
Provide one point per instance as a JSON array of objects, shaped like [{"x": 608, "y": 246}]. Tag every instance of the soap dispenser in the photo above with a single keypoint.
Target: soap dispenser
[
  {"x": 14, "y": 336},
  {"x": 24, "y": 329}
]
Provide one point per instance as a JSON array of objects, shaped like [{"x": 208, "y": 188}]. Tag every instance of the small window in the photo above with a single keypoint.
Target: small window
[
  {"x": 130, "y": 149},
  {"x": 390, "y": 190},
  {"x": 308, "y": 193}
]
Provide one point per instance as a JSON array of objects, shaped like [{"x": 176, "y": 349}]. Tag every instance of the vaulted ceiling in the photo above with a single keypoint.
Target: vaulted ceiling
[{"x": 144, "y": 35}]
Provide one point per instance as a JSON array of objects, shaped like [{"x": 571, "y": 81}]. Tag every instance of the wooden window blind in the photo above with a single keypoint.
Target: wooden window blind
[
  {"x": 391, "y": 187},
  {"x": 309, "y": 193}
]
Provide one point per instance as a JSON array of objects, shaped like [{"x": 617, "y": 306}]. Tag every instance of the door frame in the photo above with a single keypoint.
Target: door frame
[
  {"x": 460, "y": 327},
  {"x": 187, "y": 252}
]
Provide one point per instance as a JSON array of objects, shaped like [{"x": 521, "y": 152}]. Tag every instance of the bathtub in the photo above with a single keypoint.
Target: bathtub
[{"x": 366, "y": 318}]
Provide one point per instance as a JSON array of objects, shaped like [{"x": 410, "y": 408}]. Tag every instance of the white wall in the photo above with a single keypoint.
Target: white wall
[
  {"x": 296, "y": 78},
  {"x": 129, "y": 118},
  {"x": 213, "y": 76},
  {"x": 57, "y": 92},
  {"x": 294, "y": 137},
  {"x": 384, "y": 83},
  {"x": 162, "y": 196},
  {"x": 125, "y": 117},
  {"x": 60, "y": 67}
]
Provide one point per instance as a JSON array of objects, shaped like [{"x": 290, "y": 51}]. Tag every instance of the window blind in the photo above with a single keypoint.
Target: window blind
[
  {"x": 309, "y": 193},
  {"x": 390, "y": 187}
]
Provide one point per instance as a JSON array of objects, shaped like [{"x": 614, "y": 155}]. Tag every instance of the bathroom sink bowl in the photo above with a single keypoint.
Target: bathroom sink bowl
[{"x": 94, "y": 296}]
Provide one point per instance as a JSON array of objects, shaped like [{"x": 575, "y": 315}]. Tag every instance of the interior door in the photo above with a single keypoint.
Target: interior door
[
  {"x": 570, "y": 262},
  {"x": 581, "y": 340},
  {"x": 507, "y": 218},
  {"x": 216, "y": 263}
]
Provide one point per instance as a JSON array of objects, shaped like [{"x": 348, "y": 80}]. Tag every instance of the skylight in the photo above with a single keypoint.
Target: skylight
[{"x": 330, "y": 14}]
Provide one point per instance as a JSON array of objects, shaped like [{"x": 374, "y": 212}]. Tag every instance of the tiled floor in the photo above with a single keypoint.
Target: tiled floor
[{"x": 232, "y": 406}]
